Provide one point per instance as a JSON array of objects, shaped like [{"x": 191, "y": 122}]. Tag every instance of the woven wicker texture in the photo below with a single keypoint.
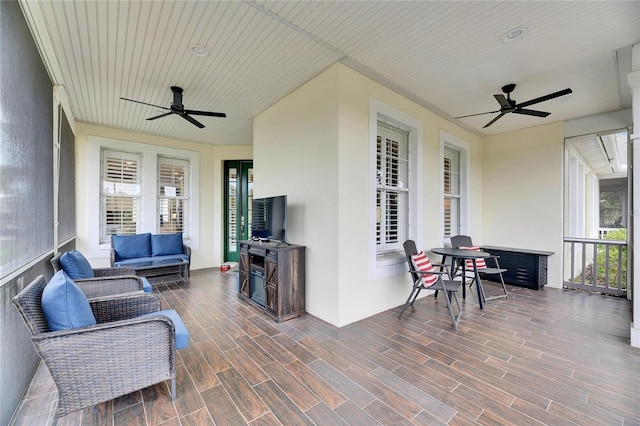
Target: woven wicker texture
[
  {"x": 118, "y": 355},
  {"x": 107, "y": 281}
]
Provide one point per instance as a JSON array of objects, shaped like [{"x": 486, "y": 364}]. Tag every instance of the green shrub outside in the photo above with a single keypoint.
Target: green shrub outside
[{"x": 617, "y": 235}]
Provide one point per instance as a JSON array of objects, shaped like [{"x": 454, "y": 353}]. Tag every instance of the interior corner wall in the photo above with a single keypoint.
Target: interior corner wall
[
  {"x": 313, "y": 146},
  {"x": 522, "y": 191},
  {"x": 212, "y": 157},
  {"x": 295, "y": 150}
]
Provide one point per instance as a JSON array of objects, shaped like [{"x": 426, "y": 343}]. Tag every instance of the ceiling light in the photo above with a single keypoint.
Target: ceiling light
[
  {"x": 514, "y": 35},
  {"x": 198, "y": 50}
]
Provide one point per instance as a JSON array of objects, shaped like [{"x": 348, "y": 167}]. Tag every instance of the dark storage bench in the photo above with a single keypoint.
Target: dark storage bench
[{"x": 525, "y": 268}]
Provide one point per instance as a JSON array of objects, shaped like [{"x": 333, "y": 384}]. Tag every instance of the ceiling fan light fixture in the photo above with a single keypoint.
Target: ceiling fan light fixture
[
  {"x": 197, "y": 50},
  {"x": 514, "y": 35}
]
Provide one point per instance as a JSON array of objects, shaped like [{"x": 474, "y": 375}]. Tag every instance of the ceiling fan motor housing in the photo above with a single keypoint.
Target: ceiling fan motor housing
[{"x": 177, "y": 97}]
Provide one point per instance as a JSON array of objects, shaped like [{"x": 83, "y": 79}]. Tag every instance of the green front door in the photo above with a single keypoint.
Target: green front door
[{"x": 238, "y": 177}]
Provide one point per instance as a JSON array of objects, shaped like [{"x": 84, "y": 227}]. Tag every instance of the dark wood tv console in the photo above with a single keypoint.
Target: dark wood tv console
[{"x": 271, "y": 278}]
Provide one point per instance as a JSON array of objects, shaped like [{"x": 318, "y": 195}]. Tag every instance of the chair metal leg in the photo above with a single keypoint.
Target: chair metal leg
[
  {"x": 504, "y": 287},
  {"x": 173, "y": 389},
  {"x": 454, "y": 318},
  {"x": 410, "y": 300}
]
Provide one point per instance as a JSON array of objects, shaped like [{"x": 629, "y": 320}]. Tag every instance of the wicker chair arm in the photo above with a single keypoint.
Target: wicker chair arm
[
  {"x": 99, "y": 363},
  {"x": 127, "y": 306},
  {"x": 111, "y": 272},
  {"x": 109, "y": 285}
]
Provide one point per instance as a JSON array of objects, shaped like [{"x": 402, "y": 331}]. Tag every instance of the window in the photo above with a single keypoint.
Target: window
[
  {"x": 395, "y": 180},
  {"x": 451, "y": 165},
  {"x": 120, "y": 193},
  {"x": 454, "y": 186},
  {"x": 392, "y": 190},
  {"x": 130, "y": 189},
  {"x": 173, "y": 195}
]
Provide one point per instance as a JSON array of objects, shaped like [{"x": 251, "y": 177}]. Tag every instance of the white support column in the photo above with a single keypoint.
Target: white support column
[{"x": 634, "y": 84}]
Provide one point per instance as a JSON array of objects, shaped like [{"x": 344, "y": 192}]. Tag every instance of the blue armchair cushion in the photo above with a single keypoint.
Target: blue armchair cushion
[
  {"x": 64, "y": 305},
  {"x": 131, "y": 246},
  {"x": 146, "y": 285},
  {"x": 76, "y": 266},
  {"x": 182, "y": 334},
  {"x": 164, "y": 244}
]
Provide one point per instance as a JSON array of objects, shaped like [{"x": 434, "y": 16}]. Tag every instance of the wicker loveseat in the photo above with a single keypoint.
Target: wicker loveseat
[
  {"x": 105, "y": 281},
  {"x": 121, "y": 353},
  {"x": 160, "y": 258}
]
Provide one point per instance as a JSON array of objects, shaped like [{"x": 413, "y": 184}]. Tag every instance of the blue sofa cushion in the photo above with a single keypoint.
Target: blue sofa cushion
[
  {"x": 164, "y": 244},
  {"x": 182, "y": 334},
  {"x": 131, "y": 246},
  {"x": 64, "y": 305},
  {"x": 76, "y": 266},
  {"x": 157, "y": 261}
]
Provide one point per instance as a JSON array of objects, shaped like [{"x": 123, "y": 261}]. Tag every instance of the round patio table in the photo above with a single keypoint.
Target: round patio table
[{"x": 460, "y": 255}]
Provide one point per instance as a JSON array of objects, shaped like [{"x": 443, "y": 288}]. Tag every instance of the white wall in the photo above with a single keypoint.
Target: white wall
[
  {"x": 210, "y": 252},
  {"x": 522, "y": 191}
]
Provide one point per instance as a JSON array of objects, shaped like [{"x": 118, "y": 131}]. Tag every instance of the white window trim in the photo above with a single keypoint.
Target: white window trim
[
  {"x": 394, "y": 264},
  {"x": 448, "y": 140},
  {"x": 149, "y": 203}
]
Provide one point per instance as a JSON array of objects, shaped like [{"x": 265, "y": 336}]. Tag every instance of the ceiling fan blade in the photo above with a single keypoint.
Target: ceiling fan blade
[
  {"x": 207, "y": 113},
  {"x": 143, "y": 103},
  {"x": 504, "y": 103},
  {"x": 160, "y": 116},
  {"x": 480, "y": 113},
  {"x": 192, "y": 120},
  {"x": 530, "y": 112},
  {"x": 545, "y": 98},
  {"x": 494, "y": 120}
]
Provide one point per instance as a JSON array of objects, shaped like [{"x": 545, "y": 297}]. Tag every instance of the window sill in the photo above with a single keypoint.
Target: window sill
[{"x": 387, "y": 259}]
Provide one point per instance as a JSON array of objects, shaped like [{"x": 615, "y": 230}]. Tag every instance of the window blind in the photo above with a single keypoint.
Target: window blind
[
  {"x": 392, "y": 191},
  {"x": 173, "y": 195},
  {"x": 121, "y": 183},
  {"x": 451, "y": 190}
]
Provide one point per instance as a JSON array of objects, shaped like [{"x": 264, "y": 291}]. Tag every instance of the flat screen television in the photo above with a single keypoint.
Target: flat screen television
[{"x": 269, "y": 218}]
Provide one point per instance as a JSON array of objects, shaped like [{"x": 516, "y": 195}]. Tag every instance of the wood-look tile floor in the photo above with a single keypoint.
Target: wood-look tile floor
[{"x": 549, "y": 357}]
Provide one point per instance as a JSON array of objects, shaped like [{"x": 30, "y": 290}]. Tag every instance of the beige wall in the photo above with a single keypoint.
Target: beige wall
[
  {"x": 313, "y": 145},
  {"x": 522, "y": 189},
  {"x": 296, "y": 154},
  {"x": 211, "y": 158}
]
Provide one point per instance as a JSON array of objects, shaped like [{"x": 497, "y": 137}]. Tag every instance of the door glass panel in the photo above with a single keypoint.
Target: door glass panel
[
  {"x": 247, "y": 231},
  {"x": 232, "y": 205}
]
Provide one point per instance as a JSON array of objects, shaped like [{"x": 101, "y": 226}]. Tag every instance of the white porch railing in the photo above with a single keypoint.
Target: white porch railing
[{"x": 595, "y": 265}]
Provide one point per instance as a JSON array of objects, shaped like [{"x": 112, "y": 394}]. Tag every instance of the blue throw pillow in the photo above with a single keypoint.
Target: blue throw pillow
[
  {"x": 164, "y": 244},
  {"x": 64, "y": 305},
  {"x": 76, "y": 266},
  {"x": 131, "y": 246}
]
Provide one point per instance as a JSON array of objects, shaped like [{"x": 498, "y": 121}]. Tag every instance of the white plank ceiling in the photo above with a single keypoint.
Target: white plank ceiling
[{"x": 445, "y": 55}]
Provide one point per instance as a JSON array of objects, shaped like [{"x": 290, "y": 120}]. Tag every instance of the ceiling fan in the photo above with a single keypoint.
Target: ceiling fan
[
  {"x": 508, "y": 105},
  {"x": 178, "y": 108}
]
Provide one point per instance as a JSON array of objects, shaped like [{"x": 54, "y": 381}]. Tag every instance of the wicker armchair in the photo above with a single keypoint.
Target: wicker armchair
[
  {"x": 107, "y": 281},
  {"x": 120, "y": 354}
]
